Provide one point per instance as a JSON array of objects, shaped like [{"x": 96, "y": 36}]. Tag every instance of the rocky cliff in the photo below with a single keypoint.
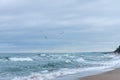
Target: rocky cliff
[{"x": 117, "y": 50}]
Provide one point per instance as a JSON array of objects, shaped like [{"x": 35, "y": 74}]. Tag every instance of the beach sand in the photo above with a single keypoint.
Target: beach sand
[{"x": 110, "y": 75}]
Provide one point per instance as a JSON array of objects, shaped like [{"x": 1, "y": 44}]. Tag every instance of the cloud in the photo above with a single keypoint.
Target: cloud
[{"x": 64, "y": 25}]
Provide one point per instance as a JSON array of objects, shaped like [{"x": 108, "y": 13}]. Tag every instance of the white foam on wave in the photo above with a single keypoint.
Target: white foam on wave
[
  {"x": 113, "y": 62},
  {"x": 43, "y": 55},
  {"x": 80, "y": 60},
  {"x": 68, "y": 61},
  {"x": 20, "y": 59},
  {"x": 110, "y": 55},
  {"x": 53, "y": 75}
]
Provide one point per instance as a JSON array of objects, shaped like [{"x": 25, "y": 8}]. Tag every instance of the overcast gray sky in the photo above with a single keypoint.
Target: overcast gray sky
[{"x": 59, "y": 25}]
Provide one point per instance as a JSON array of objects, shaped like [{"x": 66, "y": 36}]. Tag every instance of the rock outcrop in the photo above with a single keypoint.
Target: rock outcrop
[{"x": 117, "y": 50}]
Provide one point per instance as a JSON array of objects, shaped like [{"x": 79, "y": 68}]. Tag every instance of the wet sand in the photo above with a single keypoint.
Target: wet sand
[{"x": 110, "y": 75}]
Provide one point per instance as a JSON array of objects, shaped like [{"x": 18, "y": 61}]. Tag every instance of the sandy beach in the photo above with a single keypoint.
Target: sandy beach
[{"x": 111, "y": 75}]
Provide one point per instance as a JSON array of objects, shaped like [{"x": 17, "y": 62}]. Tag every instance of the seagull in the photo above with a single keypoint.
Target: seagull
[{"x": 45, "y": 36}]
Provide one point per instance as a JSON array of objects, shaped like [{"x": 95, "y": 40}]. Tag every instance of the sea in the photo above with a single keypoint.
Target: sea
[{"x": 55, "y": 66}]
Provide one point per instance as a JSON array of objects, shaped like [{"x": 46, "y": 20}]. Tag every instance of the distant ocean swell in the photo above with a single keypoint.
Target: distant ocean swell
[{"x": 50, "y": 66}]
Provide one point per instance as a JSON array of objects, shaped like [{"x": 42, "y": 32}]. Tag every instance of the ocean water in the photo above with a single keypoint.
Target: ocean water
[{"x": 54, "y": 66}]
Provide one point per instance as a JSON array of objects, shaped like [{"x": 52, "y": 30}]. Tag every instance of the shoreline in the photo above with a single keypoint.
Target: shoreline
[{"x": 110, "y": 75}]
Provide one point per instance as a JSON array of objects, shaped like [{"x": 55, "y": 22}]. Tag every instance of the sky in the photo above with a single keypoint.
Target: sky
[{"x": 59, "y": 25}]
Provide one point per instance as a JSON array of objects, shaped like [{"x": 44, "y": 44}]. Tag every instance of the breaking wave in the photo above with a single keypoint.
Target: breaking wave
[
  {"x": 20, "y": 59},
  {"x": 53, "y": 75},
  {"x": 16, "y": 59},
  {"x": 52, "y": 66}
]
